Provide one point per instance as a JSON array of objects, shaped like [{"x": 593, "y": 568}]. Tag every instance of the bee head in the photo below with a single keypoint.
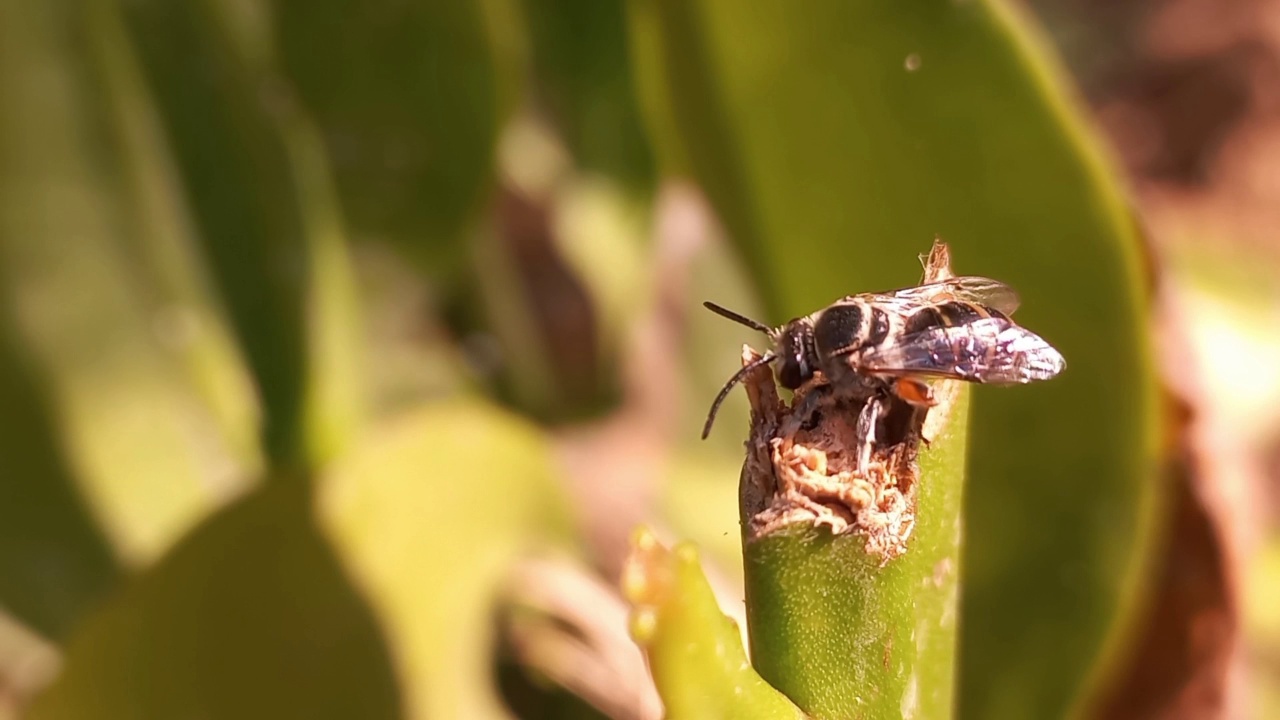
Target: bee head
[
  {"x": 796, "y": 352},
  {"x": 793, "y": 345}
]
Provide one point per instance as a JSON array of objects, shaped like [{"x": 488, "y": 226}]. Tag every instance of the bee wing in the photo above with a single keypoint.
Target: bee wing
[
  {"x": 970, "y": 288},
  {"x": 990, "y": 350}
]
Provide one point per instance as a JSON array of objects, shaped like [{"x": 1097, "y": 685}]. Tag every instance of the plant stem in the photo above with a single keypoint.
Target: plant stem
[
  {"x": 851, "y": 584},
  {"x": 694, "y": 650}
]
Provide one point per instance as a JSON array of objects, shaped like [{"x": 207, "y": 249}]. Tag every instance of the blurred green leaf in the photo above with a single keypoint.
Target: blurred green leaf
[
  {"x": 836, "y": 142},
  {"x": 255, "y": 177},
  {"x": 410, "y": 358},
  {"x": 114, "y": 432},
  {"x": 249, "y": 617},
  {"x": 54, "y": 558},
  {"x": 157, "y": 236},
  {"x": 700, "y": 502},
  {"x": 583, "y": 71},
  {"x": 430, "y": 513},
  {"x": 695, "y": 652},
  {"x": 408, "y": 100}
]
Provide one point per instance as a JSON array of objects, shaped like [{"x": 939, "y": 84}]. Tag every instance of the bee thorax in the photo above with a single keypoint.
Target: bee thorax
[{"x": 841, "y": 328}]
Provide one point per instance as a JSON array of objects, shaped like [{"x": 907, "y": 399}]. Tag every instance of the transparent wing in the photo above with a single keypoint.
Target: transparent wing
[
  {"x": 990, "y": 350},
  {"x": 969, "y": 288}
]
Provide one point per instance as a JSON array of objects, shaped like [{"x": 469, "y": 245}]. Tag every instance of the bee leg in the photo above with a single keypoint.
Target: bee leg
[
  {"x": 814, "y": 395},
  {"x": 915, "y": 392},
  {"x": 866, "y": 433}
]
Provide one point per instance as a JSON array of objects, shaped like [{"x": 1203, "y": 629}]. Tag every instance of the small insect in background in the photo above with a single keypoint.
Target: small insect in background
[{"x": 870, "y": 346}]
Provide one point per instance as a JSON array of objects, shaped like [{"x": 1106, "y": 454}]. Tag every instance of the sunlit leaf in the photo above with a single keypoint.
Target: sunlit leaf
[
  {"x": 429, "y": 513},
  {"x": 249, "y": 617},
  {"x": 836, "y": 141},
  {"x": 127, "y": 414},
  {"x": 255, "y": 177},
  {"x": 157, "y": 238}
]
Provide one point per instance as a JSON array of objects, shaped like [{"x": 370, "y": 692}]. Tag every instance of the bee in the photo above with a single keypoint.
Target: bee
[{"x": 873, "y": 345}]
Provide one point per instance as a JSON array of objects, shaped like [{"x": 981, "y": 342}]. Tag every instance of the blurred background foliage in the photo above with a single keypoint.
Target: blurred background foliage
[{"x": 343, "y": 343}]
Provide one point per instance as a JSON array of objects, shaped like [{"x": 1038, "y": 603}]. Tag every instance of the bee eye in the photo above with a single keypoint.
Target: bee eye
[{"x": 792, "y": 374}]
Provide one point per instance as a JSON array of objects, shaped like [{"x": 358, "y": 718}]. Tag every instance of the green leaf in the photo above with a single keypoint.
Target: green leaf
[
  {"x": 54, "y": 558},
  {"x": 407, "y": 96},
  {"x": 249, "y": 617},
  {"x": 157, "y": 238},
  {"x": 695, "y": 652},
  {"x": 836, "y": 140},
  {"x": 256, "y": 180},
  {"x": 127, "y": 411},
  {"x": 253, "y": 615},
  {"x": 429, "y": 514},
  {"x": 579, "y": 55}
]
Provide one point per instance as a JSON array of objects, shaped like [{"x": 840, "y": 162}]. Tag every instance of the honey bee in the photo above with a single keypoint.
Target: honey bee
[{"x": 873, "y": 345}]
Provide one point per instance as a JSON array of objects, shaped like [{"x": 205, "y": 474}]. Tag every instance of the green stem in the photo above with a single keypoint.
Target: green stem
[
  {"x": 850, "y": 633},
  {"x": 694, "y": 650}
]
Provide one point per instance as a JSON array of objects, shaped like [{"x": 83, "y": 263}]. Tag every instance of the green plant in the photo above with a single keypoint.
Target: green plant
[
  {"x": 945, "y": 118},
  {"x": 257, "y": 257}
]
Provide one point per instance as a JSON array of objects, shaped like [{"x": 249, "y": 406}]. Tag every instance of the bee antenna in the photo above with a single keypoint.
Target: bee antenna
[
  {"x": 740, "y": 319},
  {"x": 724, "y": 391}
]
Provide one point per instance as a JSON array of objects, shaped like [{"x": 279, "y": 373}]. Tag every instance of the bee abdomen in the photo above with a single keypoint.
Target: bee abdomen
[
  {"x": 954, "y": 313},
  {"x": 924, "y": 319}
]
